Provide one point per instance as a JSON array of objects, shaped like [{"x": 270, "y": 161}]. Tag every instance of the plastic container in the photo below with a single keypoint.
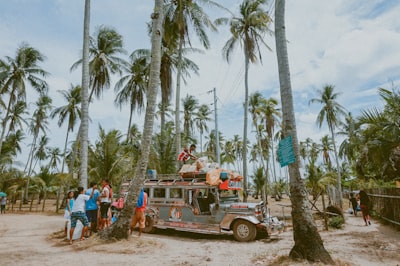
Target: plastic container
[
  {"x": 152, "y": 174},
  {"x": 223, "y": 176}
]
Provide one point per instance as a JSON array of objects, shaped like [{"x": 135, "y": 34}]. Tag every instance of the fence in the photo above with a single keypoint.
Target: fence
[{"x": 386, "y": 203}]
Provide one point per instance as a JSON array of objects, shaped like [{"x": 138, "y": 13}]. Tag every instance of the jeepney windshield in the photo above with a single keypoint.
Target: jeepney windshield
[{"x": 229, "y": 195}]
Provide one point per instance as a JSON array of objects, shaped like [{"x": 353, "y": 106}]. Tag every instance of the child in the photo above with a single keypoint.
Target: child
[
  {"x": 68, "y": 209},
  {"x": 354, "y": 203}
]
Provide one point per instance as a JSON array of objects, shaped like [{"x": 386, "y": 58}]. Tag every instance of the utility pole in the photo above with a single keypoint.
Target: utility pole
[{"x": 216, "y": 126}]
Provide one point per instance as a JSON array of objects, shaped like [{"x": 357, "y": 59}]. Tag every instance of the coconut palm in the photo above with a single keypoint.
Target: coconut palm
[
  {"x": 307, "y": 241},
  {"x": 39, "y": 122},
  {"x": 17, "y": 120},
  {"x": 248, "y": 30},
  {"x": 202, "y": 117},
  {"x": 15, "y": 74},
  {"x": 331, "y": 112},
  {"x": 271, "y": 116},
  {"x": 83, "y": 134},
  {"x": 131, "y": 88},
  {"x": 69, "y": 112},
  {"x": 107, "y": 159},
  {"x": 104, "y": 50},
  {"x": 190, "y": 106},
  {"x": 119, "y": 230},
  {"x": 181, "y": 14}
]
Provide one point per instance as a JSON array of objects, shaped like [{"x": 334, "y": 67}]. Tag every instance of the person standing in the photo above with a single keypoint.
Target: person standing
[
  {"x": 364, "y": 205},
  {"x": 92, "y": 208},
  {"x": 3, "y": 203},
  {"x": 354, "y": 203},
  {"x": 79, "y": 212},
  {"x": 105, "y": 203},
  {"x": 68, "y": 210},
  {"x": 139, "y": 216}
]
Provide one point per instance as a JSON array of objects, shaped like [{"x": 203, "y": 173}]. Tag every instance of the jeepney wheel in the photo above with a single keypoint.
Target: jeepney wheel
[
  {"x": 149, "y": 225},
  {"x": 244, "y": 231}
]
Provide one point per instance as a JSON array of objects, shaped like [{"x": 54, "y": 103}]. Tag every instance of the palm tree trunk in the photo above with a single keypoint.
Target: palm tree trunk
[
  {"x": 85, "y": 100},
  {"x": 119, "y": 229},
  {"x": 65, "y": 151},
  {"x": 178, "y": 100},
  {"x": 246, "y": 107},
  {"x": 339, "y": 178},
  {"x": 308, "y": 243},
  {"x": 128, "y": 134}
]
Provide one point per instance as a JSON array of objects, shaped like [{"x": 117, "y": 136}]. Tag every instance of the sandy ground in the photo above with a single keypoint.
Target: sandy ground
[{"x": 37, "y": 239}]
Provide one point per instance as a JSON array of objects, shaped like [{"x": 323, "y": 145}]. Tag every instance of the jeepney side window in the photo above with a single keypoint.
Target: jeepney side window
[
  {"x": 175, "y": 193},
  {"x": 147, "y": 190},
  {"x": 159, "y": 192}
]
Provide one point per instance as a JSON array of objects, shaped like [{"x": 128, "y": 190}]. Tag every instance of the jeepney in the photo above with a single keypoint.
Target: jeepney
[{"x": 193, "y": 205}]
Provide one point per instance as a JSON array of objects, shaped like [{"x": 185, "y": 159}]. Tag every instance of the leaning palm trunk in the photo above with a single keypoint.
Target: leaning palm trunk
[
  {"x": 308, "y": 243},
  {"x": 119, "y": 230}
]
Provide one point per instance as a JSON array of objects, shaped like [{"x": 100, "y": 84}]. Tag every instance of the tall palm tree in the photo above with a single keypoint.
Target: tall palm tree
[
  {"x": 131, "y": 88},
  {"x": 119, "y": 230},
  {"x": 69, "y": 112},
  {"x": 202, "y": 117},
  {"x": 190, "y": 106},
  {"x": 39, "y": 122},
  {"x": 104, "y": 50},
  {"x": 326, "y": 148},
  {"x": 83, "y": 134},
  {"x": 15, "y": 74},
  {"x": 17, "y": 120},
  {"x": 307, "y": 241},
  {"x": 248, "y": 30},
  {"x": 331, "y": 112},
  {"x": 271, "y": 116},
  {"x": 182, "y": 14}
]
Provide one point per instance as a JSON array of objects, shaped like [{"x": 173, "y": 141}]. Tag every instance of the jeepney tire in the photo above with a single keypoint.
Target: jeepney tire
[
  {"x": 244, "y": 231},
  {"x": 149, "y": 225}
]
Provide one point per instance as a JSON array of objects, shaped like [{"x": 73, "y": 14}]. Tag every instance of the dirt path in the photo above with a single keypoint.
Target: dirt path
[{"x": 34, "y": 239}]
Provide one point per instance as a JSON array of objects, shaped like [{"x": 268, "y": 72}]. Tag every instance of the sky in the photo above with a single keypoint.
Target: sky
[{"x": 351, "y": 44}]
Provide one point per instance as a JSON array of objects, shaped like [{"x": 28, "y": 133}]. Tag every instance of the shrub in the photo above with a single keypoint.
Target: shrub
[{"x": 336, "y": 222}]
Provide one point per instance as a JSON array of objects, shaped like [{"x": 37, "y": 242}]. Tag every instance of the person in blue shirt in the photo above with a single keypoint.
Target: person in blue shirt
[{"x": 92, "y": 208}]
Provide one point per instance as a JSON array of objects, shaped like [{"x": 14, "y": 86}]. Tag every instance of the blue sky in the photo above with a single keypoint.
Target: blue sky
[{"x": 352, "y": 44}]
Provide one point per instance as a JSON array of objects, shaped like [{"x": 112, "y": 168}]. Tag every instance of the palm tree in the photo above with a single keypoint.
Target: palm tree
[
  {"x": 83, "y": 133},
  {"x": 104, "y": 50},
  {"x": 107, "y": 157},
  {"x": 17, "y": 120},
  {"x": 326, "y": 148},
  {"x": 15, "y": 73},
  {"x": 331, "y": 112},
  {"x": 131, "y": 88},
  {"x": 190, "y": 105},
  {"x": 270, "y": 115},
  {"x": 119, "y": 230},
  {"x": 181, "y": 14},
  {"x": 248, "y": 29},
  {"x": 70, "y": 112},
  {"x": 307, "y": 241},
  {"x": 38, "y": 124},
  {"x": 202, "y": 116}
]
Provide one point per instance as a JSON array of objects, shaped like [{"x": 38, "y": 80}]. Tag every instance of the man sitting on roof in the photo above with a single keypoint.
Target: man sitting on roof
[{"x": 186, "y": 154}]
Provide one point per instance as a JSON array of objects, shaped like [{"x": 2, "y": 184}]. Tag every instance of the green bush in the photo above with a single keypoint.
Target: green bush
[{"x": 336, "y": 222}]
